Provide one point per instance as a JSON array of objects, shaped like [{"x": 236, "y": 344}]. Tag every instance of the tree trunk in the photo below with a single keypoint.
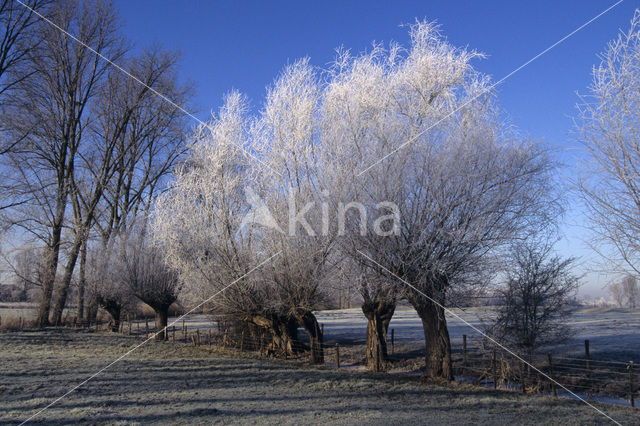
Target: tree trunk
[
  {"x": 283, "y": 330},
  {"x": 49, "y": 278},
  {"x": 311, "y": 326},
  {"x": 378, "y": 315},
  {"x": 162, "y": 313},
  {"x": 91, "y": 311},
  {"x": 437, "y": 343},
  {"x": 61, "y": 300},
  {"x": 285, "y": 336},
  {"x": 114, "y": 309},
  {"x": 80, "y": 317},
  {"x": 114, "y": 323}
]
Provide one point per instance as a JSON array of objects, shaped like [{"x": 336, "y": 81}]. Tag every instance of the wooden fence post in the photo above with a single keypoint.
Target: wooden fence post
[
  {"x": 337, "y": 355},
  {"x": 146, "y": 324},
  {"x": 553, "y": 383},
  {"x": 198, "y": 337},
  {"x": 173, "y": 333},
  {"x": 392, "y": 341},
  {"x": 464, "y": 351},
  {"x": 631, "y": 399},
  {"x": 493, "y": 369},
  {"x": 21, "y": 323},
  {"x": 587, "y": 357},
  {"x": 502, "y": 375}
]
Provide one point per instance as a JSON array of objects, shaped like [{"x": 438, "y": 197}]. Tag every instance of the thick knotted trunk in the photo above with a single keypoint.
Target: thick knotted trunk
[
  {"x": 285, "y": 337},
  {"x": 114, "y": 308},
  {"x": 309, "y": 322},
  {"x": 283, "y": 331},
  {"x": 436, "y": 335},
  {"x": 437, "y": 344},
  {"x": 162, "y": 313},
  {"x": 378, "y": 315}
]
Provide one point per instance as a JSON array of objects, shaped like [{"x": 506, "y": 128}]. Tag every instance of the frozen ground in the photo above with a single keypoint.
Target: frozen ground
[
  {"x": 614, "y": 334},
  {"x": 170, "y": 383}
]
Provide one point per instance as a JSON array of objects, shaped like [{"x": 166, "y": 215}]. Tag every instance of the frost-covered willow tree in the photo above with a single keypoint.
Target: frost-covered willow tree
[
  {"x": 198, "y": 221},
  {"x": 463, "y": 184},
  {"x": 209, "y": 225},
  {"x": 608, "y": 126},
  {"x": 288, "y": 135},
  {"x": 431, "y": 211},
  {"x": 226, "y": 211},
  {"x": 358, "y": 123}
]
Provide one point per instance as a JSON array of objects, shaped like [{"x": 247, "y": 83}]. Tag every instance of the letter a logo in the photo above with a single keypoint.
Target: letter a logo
[{"x": 259, "y": 213}]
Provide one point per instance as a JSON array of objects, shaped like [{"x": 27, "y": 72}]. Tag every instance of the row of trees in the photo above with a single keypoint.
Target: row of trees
[
  {"x": 85, "y": 148},
  {"x": 436, "y": 213},
  {"x": 391, "y": 172}
]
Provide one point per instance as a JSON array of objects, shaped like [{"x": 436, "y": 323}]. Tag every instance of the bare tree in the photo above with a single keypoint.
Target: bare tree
[
  {"x": 608, "y": 123},
  {"x": 130, "y": 148},
  {"x": 617, "y": 294},
  {"x": 631, "y": 291},
  {"x": 148, "y": 277},
  {"x": 625, "y": 292},
  {"x": 535, "y": 299},
  {"x": 106, "y": 284},
  {"x": 52, "y": 112},
  {"x": 19, "y": 37},
  {"x": 27, "y": 269}
]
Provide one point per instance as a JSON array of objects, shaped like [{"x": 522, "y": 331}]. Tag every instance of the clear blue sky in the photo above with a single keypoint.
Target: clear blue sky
[{"x": 243, "y": 45}]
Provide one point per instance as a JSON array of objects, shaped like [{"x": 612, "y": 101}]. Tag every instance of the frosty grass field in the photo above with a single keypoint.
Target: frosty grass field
[{"x": 166, "y": 382}]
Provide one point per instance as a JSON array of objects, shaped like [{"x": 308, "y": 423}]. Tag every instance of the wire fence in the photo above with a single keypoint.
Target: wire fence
[{"x": 473, "y": 362}]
